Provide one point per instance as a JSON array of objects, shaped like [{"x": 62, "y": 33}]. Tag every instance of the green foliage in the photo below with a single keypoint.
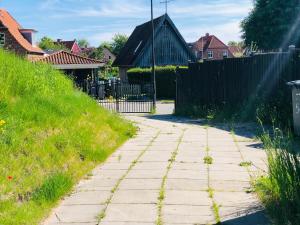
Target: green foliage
[
  {"x": 270, "y": 23},
  {"x": 83, "y": 43},
  {"x": 53, "y": 136},
  {"x": 53, "y": 188},
  {"x": 280, "y": 190},
  {"x": 165, "y": 79},
  {"x": 47, "y": 43},
  {"x": 118, "y": 42}
]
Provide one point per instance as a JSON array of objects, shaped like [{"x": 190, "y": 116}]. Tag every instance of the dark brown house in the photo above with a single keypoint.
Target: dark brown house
[
  {"x": 17, "y": 39},
  {"x": 170, "y": 47}
]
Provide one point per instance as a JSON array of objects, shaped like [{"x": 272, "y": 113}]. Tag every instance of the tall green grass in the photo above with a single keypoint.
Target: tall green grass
[
  {"x": 53, "y": 135},
  {"x": 280, "y": 190}
]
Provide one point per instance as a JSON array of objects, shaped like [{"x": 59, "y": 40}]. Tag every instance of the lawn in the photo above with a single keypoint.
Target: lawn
[{"x": 51, "y": 135}]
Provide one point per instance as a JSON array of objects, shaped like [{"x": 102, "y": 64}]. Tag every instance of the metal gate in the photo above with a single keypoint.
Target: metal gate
[{"x": 122, "y": 97}]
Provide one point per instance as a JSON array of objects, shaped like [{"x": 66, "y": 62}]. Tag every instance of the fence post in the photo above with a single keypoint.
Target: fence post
[{"x": 117, "y": 96}]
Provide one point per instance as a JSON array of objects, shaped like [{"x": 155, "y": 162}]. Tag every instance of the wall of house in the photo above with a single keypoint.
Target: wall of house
[
  {"x": 217, "y": 53},
  {"x": 11, "y": 44},
  {"x": 76, "y": 49},
  {"x": 169, "y": 50},
  {"x": 123, "y": 74}
]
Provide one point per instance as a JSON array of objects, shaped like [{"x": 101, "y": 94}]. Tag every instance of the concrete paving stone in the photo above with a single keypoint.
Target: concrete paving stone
[
  {"x": 189, "y": 166},
  {"x": 227, "y": 160},
  {"x": 121, "y": 159},
  {"x": 230, "y": 186},
  {"x": 184, "y": 174},
  {"x": 135, "y": 197},
  {"x": 227, "y": 168},
  {"x": 148, "y": 174},
  {"x": 161, "y": 148},
  {"x": 221, "y": 148},
  {"x": 78, "y": 213},
  {"x": 229, "y": 176},
  {"x": 140, "y": 184},
  {"x": 126, "y": 223},
  {"x": 191, "y": 153},
  {"x": 165, "y": 143},
  {"x": 132, "y": 148},
  {"x": 108, "y": 174},
  {"x": 177, "y": 197},
  {"x": 115, "y": 166},
  {"x": 138, "y": 213},
  {"x": 224, "y": 154},
  {"x": 127, "y": 153},
  {"x": 182, "y": 214},
  {"x": 87, "y": 198},
  {"x": 151, "y": 165},
  {"x": 94, "y": 183},
  {"x": 187, "y": 184},
  {"x": 240, "y": 199},
  {"x": 58, "y": 223},
  {"x": 188, "y": 159},
  {"x": 183, "y": 220},
  {"x": 156, "y": 156}
]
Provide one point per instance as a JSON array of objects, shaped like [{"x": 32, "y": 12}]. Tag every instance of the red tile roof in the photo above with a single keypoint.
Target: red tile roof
[
  {"x": 66, "y": 58},
  {"x": 14, "y": 28},
  {"x": 209, "y": 42}
]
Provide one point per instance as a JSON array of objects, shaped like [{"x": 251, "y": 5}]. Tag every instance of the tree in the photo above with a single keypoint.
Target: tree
[
  {"x": 272, "y": 24},
  {"x": 47, "y": 44},
  {"x": 118, "y": 42},
  {"x": 83, "y": 43},
  {"x": 239, "y": 44}
]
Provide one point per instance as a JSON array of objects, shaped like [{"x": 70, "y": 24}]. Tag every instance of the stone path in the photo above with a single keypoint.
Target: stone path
[{"x": 160, "y": 177}]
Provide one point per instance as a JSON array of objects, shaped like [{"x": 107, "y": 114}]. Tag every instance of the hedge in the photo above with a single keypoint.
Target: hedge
[{"x": 165, "y": 80}]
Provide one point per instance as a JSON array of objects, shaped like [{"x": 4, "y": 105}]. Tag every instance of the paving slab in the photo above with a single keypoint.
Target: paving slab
[
  {"x": 178, "y": 197},
  {"x": 187, "y": 200},
  {"x": 138, "y": 213}
]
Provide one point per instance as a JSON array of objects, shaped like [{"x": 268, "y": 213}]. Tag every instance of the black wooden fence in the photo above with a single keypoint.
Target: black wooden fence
[{"x": 234, "y": 81}]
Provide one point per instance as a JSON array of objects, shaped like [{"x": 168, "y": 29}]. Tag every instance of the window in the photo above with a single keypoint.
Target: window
[
  {"x": 225, "y": 53},
  {"x": 210, "y": 54},
  {"x": 2, "y": 40}
]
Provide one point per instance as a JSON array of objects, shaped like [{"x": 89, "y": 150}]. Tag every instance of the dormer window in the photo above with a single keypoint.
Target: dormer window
[{"x": 2, "y": 40}]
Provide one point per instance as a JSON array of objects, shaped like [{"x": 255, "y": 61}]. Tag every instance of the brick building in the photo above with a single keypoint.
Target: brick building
[
  {"x": 209, "y": 47},
  {"x": 17, "y": 39},
  {"x": 72, "y": 46}
]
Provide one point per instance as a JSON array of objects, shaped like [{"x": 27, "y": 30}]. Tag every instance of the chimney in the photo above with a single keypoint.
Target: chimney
[{"x": 207, "y": 35}]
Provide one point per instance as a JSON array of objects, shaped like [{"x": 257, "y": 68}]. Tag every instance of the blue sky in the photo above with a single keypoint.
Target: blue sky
[{"x": 99, "y": 20}]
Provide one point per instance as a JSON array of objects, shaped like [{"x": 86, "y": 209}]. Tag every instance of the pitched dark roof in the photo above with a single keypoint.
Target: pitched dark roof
[{"x": 140, "y": 37}]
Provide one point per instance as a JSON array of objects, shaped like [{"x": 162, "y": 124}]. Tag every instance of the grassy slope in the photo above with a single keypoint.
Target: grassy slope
[{"x": 53, "y": 135}]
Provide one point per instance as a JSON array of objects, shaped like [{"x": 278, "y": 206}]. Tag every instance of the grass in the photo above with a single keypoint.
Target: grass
[
  {"x": 161, "y": 196},
  {"x": 245, "y": 164},
  {"x": 208, "y": 160},
  {"x": 52, "y": 136},
  {"x": 280, "y": 190}
]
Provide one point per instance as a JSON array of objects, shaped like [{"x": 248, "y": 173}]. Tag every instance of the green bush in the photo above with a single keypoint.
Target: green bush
[
  {"x": 280, "y": 190},
  {"x": 53, "y": 135},
  {"x": 165, "y": 79}
]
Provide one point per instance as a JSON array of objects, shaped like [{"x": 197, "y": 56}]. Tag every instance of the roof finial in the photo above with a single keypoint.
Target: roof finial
[{"x": 166, "y": 2}]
